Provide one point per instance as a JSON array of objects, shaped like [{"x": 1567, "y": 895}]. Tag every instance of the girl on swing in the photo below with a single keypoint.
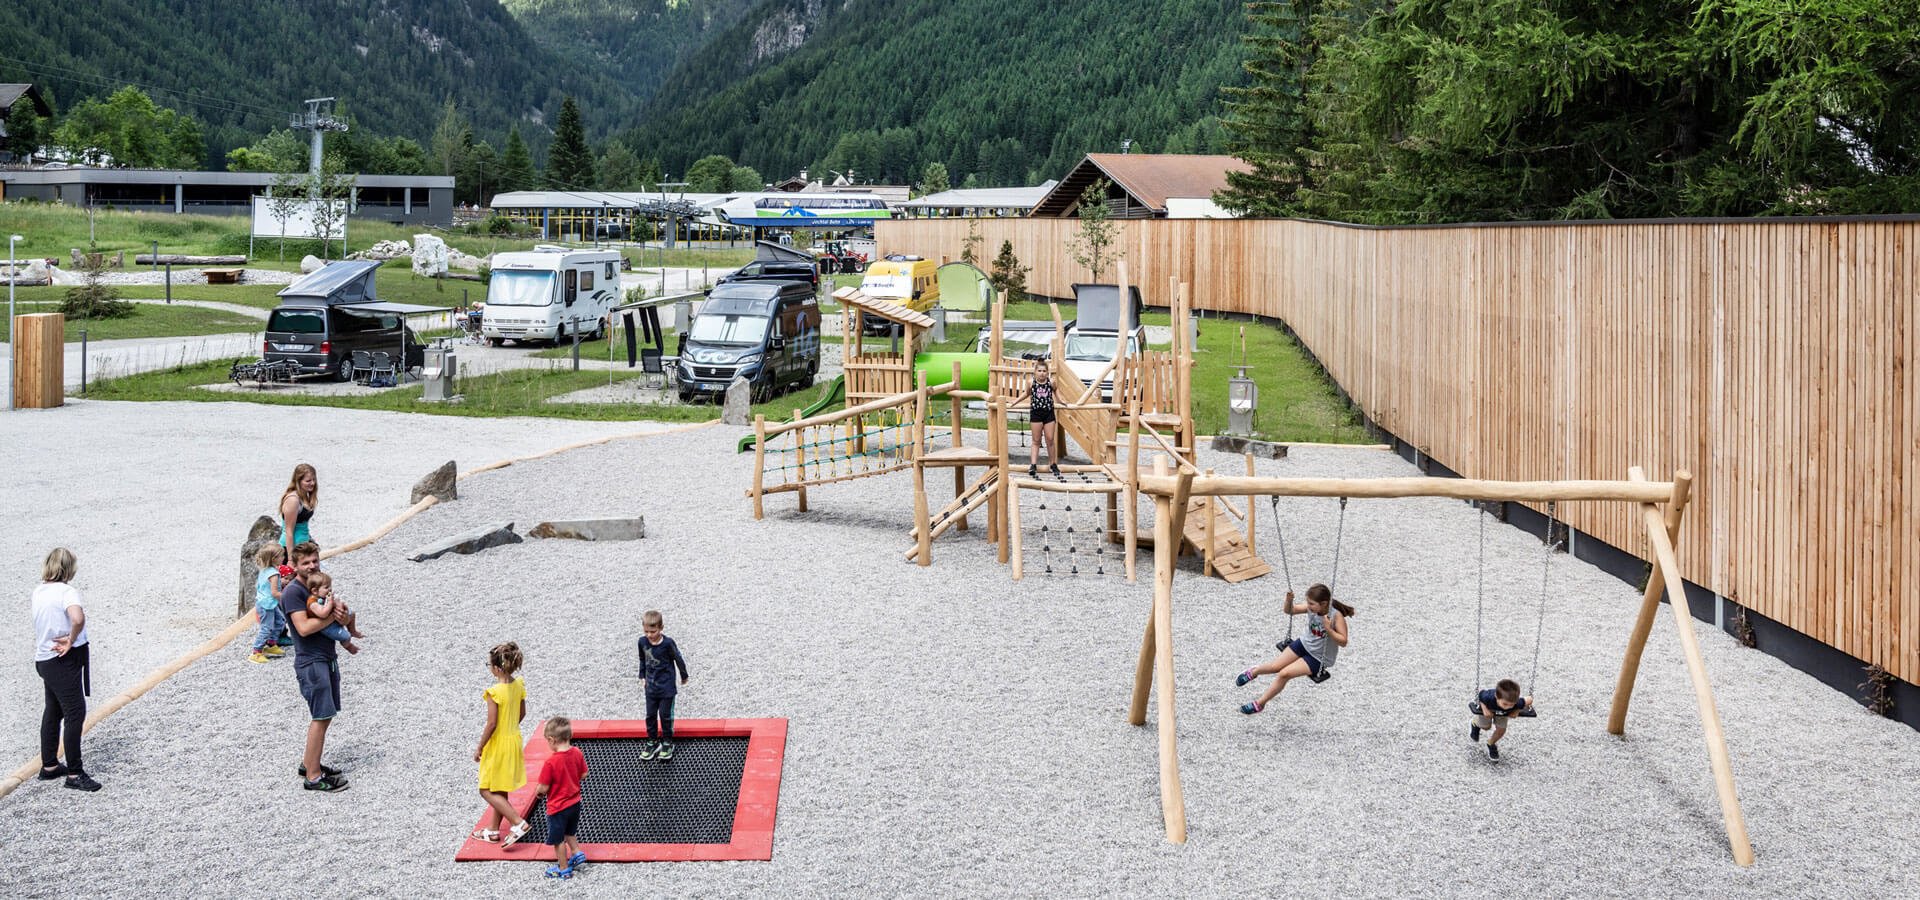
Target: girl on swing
[{"x": 1310, "y": 655}]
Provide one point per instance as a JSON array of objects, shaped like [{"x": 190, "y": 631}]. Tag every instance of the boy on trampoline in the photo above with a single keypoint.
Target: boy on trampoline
[
  {"x": 658, "y": 657},
  {"x": 1310, "y": 655},
  {"x": 560, "y": 782},
  {"x": 1492, "y": 709}
]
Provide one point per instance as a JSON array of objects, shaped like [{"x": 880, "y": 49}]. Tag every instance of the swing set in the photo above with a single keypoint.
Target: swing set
[{"x": 1661, "y": 505}]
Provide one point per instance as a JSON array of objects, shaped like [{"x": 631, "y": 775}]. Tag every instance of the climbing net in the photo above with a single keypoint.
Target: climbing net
[{"x": 1076, "y": 524}]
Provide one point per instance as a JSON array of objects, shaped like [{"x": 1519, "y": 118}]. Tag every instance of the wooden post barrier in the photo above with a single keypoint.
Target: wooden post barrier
[
  {"x": 800, "y": 459},
  {"x": 759, "y": 465},
  {"x": 39, "y": 371},
  {"x": 1649, "y": 604}
]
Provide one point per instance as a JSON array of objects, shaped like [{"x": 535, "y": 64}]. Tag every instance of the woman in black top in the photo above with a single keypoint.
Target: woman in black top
[{"x": 1046, "y": 429}]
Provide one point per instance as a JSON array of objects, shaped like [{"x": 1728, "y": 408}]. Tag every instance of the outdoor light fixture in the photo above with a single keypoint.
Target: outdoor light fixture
[
  {"x": 13, "y": 345},
  {"x": 1243, "y": 396}
]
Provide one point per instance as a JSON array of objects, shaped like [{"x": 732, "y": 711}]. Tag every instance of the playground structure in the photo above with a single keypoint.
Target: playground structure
[
  {"x": 1661, "y": 506},
  {"x": 894, "y": 391}
]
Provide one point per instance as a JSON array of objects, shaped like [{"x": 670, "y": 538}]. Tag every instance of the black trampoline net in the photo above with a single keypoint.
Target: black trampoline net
[{"x": 689, "y": 799}]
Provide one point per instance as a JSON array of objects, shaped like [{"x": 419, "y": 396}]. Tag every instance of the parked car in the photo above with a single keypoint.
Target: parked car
[
  {"x": 772, "y": 262},
  {"x": 326, "y": 316},
  {"x": 766, "y": 332}
]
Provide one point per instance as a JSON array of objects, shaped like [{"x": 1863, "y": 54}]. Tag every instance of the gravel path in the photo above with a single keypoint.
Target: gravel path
[
  {"x": 956, "y": 733},
  {"x": 157, "y": 514}
]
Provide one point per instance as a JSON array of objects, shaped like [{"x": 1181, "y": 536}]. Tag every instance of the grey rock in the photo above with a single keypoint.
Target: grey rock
[
  {"x": 1233, "y": 443},
  {"x": 442, "y": 482},
  {"x": 264, "y": 531},
  {"x": 739, "y": 403},
  {"x": 310, "y": 263},
  {"x": 474, "y": 541},
  {"x": 630, "y": 528}
]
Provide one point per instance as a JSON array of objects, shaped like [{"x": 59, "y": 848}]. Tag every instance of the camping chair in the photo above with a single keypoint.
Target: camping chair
[
  {"x": 361, "y": 366},
  {"x": 653, "y": 362},
  {"x": 382, "y": 364}
]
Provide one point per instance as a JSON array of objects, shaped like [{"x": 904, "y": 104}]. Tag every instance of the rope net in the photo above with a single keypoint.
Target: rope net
[{"x": 1073, "y": 530}]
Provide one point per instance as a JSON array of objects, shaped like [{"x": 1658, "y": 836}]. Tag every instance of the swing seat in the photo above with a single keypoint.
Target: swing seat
[
  {"x": 1474, "y": 707},
  {"x": 1325, "y": 673}
]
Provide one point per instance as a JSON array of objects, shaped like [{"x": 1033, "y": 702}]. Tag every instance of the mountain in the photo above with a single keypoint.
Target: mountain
[
  {"x": 242, "y": 67},
  {"x": 1007, "y": 90},
  {"x": 634, "y": 42}
]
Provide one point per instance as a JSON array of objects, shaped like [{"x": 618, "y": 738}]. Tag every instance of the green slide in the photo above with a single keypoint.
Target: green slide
[{"x": 836, "y": 390}]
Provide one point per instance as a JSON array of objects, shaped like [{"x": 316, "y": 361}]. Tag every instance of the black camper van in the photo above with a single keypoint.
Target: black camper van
[
  {"x": 767, "y": 332},
  {"x": 326, "y": 316},
  {"x": 772, "y": 262}
]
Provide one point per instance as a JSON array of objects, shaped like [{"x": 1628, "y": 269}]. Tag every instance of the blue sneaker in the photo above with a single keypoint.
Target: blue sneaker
[
  {"x": 557, "y": 872},
  {"x": 1244, "y": 678},
  {"x": 578, "y": 859},
  {"x": 1251, "y": 708}
]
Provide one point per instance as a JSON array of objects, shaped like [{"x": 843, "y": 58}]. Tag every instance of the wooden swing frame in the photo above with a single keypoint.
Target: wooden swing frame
[{"x": 1171, "y": 491}]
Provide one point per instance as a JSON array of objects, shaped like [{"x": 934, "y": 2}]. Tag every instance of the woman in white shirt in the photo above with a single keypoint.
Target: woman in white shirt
[{"x": 60, "y": 655}]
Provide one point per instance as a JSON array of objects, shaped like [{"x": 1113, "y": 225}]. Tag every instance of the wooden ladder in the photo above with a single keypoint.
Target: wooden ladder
[{"x": 1231, "y": 558}]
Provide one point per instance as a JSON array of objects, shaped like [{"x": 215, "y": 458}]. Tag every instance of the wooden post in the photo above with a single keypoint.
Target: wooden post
[
  {"x": 1730, "y": 813},
  {"x": 1013, "y": 530},
  {"x": 39, "y": 372},
  {"x": 1251, "y": 551},
  {"x": 1206, "y": 555},
  {"x": 1184, "y": 371},
  {"x": 1649, "y": 604},
  {"x": 1113, "y": 518},
  {"x": 1143, "y": 672},
  {"x": 800, "y": 459},
  {"x": 959, "y": 440},
  {"x": 1166, "y": 542},
  {"x": 920, "y": 472},
  {"x": 759, "y": 463},
  {"x": 1133, "y": 488},
  {"x": 1004, "y": 480}
]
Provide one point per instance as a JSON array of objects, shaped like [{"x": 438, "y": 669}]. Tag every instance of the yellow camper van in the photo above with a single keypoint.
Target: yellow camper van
[{"x": 910, "y": 281}]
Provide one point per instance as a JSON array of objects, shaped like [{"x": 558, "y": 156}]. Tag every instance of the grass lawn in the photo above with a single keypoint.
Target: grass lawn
[
  {"x": 148, "y": 320},
  {"x": 513, "y": 393}
]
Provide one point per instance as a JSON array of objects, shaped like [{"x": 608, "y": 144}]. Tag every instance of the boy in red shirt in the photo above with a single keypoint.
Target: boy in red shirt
[{"x": 560, "y": 782}]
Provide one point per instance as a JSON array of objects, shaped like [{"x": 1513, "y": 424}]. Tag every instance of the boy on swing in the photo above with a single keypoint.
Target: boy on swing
[{"x": 1492, "y": 709}]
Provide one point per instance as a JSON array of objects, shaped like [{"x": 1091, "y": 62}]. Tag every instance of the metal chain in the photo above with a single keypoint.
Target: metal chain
[
  {"x": 1540, "y": 622},
  {"x": 1339, "y": 537},
  {"x": 1286, "y": 573},
  {"x": 1480, "y": 598}
]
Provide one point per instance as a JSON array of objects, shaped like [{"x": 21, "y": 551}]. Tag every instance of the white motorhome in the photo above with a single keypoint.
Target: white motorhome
[{"x": 549, "y": 294}]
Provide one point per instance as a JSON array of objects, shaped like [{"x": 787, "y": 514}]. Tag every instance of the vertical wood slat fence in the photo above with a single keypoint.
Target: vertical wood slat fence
[{"x": 1773, "y": 358}]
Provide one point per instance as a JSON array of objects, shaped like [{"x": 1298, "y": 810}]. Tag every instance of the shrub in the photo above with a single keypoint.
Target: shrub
[{"x": 94, "y": 298}]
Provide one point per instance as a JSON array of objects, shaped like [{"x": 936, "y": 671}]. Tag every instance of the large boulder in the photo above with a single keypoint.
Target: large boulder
[
  {"x": 264, "y": 531},
  {"x": 442, "y": 483},
  {"x": 311, "y": 263},
  {"x": 1233, "y": 443},
  {"x": 429, "y": 256},
  {"x": 738, "y": 408},
  {"x": 482, "y": 538},
  {"x": 463, "y": 262}
]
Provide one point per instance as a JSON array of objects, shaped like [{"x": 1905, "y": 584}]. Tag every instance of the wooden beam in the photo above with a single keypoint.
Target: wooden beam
[
  {"x": 759, "y": 465},
  {"x": 1173, "y": 804},
  {"x": 920, "y": 472},
  {"x": 1013, "y": 529},
  {"x": 1649, "y": 604},
  {"x": 1730, "y": 813},
  {"x": 1456, "y": 488}
]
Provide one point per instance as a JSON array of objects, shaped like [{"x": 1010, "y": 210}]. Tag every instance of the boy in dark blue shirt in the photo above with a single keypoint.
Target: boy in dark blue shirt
[
  {"x": 1492, "y": 708},
  {"x": 659, "y": 655}
]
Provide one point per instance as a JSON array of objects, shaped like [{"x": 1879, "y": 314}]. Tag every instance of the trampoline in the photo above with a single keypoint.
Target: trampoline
[{"x": 714, "y": 800}]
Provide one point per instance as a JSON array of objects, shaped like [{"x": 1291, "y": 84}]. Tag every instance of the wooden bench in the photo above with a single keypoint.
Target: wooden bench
[{"x": 223, "y": 276}]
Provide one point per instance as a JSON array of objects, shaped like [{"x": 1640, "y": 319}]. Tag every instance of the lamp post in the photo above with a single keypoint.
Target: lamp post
[{"x": 13, "y": 341}]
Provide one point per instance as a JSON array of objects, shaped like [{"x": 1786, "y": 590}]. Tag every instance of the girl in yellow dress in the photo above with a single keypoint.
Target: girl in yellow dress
[{"x": 502, "y": 767}]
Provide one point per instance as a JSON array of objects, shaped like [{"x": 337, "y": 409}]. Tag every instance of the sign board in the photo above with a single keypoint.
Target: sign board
[{"x": 299, "y": 225}]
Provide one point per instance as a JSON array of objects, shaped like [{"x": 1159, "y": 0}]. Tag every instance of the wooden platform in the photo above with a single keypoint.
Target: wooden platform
[
  {"x": 223, "y": 276},
  {"x": 1231, "y": 559},
  {"x": 958, "y": 456}
]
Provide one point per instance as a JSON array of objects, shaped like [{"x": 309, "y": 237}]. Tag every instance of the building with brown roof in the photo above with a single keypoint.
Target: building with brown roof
[{"x": 1145, "y": 186}]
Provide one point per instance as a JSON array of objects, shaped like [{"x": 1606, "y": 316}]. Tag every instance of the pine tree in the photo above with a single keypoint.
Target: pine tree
[
  {"x": 934, "y": 180},
  {"x": 1267, "y": 122},
  {"x": 1092, "y": 244},
  {"x": 619, "y": 169},
  {"x": 1008, "y": 275},
  {"x": 516, "y": 163},
  {"x": 569, "y": 160}
]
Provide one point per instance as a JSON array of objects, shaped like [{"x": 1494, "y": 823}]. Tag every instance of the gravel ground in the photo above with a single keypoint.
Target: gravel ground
[
  {"x": 956, "y": 733},
  {"x": 156, "y": 514}
]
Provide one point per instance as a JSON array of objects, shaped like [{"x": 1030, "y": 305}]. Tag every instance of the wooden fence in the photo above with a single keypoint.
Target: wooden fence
[{"x": 1774, "y": 359}]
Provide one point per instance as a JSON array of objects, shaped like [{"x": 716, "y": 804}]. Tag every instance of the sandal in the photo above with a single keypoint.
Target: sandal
[
  {"x": 557, "y": 872},
  {"x": 485, "y": 836},
  {"x": 514, "y": 834}
]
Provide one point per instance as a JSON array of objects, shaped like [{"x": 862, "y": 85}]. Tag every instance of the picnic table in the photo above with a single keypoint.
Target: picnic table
[{"x": 224, "y": 276}]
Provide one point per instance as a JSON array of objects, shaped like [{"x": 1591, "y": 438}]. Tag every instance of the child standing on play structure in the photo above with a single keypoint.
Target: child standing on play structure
[
  {"x": 1492, "y": 708},
  {"x": 1046, "y": 429},
  {"x": 560, "y": 781},
  {"x": 503, "y": 769},
  {"x": 658, "y": 657},
  {"x": 1310, "y": 655}
]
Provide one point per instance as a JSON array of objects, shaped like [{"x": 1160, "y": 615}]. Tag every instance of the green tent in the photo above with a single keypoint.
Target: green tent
[{"x": 964, "y": 287}]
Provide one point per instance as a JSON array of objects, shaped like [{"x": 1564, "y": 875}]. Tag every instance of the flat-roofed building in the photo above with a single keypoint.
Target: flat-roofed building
[
  {"x": 400, "y": 199},
  {"x": 978, "y": 202}
]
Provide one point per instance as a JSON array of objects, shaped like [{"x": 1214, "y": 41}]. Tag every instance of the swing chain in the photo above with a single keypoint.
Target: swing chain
[
  {"x": 1546, "y": 571},
  {"x": 1480, "y": 599}
]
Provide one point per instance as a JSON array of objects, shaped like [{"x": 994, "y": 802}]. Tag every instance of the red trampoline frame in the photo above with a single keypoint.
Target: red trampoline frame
[{"x": 753, "y": 815}]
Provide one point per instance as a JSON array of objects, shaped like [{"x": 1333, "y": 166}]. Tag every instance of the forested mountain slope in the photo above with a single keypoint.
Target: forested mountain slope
[
  {"x": 634, "y": 42},
  {"x": 1007, "y": 90},
  {"x": 241, "y": 67}
]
